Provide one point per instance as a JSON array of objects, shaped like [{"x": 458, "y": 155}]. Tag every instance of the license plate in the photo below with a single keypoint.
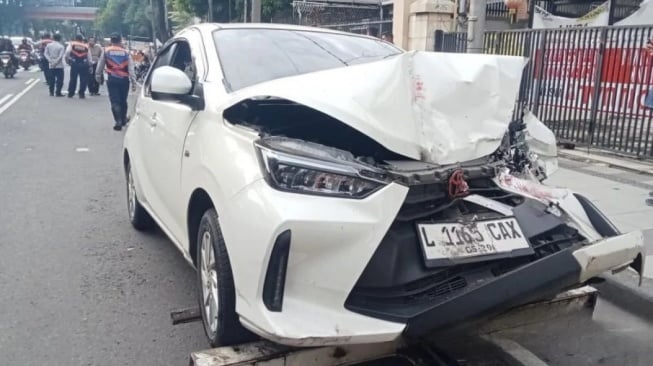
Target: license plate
[{"x": 451, "y": 241}]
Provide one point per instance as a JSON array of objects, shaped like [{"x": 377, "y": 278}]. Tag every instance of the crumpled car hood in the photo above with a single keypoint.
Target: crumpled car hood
[{"x": 435, "y": 107}]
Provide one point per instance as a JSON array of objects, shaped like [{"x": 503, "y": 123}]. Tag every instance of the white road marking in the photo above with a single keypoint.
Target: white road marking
[
  {"x": 521, "y": 355},
  {"x": 17, "y": 97},
  {"x": 28, "y": 81},
  {"x": 4, "y": 99},
  {"x": 82, "y": 149}
]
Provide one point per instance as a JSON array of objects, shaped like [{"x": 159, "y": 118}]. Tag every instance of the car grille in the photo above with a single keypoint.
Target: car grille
[{"x": 436, "y": 285}]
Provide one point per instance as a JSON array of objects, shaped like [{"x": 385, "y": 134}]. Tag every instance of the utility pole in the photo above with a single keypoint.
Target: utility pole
[
  {"x": 256, "y": 11},
  {"x": 165, "y": 18},
  {"x": 152, "y": 18},
  {"x": 612, "y": 8},
  {"x": 476, "y": 26},
  {"x": 210, "y": 15},
  {"x": 245, "y": 3}
]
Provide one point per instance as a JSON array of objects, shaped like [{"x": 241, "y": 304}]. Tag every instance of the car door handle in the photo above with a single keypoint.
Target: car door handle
[{"x": 153, "y": 120}]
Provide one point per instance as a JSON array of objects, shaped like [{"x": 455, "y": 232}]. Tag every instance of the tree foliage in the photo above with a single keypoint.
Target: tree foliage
[
  {"x": 232, "y": 10},
  {"x": 11, "y": 14},
  {"x": 133, "y": 17}
]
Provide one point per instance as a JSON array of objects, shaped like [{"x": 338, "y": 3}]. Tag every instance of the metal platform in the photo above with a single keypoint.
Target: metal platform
[{"x": 486, "y": 347}]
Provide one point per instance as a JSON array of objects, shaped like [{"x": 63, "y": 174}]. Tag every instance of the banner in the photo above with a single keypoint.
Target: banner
[
  {"x": 567, "y": 78},
  {"x": 542, "y": 19},
  {"x": 643, "y": 15}
]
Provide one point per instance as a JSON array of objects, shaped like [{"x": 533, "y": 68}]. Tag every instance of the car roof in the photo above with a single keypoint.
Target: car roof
[{"x": 210, "y": 27}]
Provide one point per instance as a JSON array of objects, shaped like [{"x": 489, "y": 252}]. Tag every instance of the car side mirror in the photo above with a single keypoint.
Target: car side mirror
[{"x": 170, "y": 83}]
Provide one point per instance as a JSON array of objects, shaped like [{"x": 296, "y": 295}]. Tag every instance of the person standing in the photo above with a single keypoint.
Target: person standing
[
  {"x": 54, "y": 54},
  {"x": 43, "y": 62},
  {"x": 79, "y": 59},
  {"x": 648, "y": 101},
  {"x": 120, "y": 71},
  {"x": 96, "y": 53}
]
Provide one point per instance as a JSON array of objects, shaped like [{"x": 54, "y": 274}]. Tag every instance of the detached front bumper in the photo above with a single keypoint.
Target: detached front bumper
[{"x": 545, "y": 277}]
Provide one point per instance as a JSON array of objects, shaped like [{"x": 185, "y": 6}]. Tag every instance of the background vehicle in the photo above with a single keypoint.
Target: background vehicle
[
  {"x": 25, "y": 58},
  {"x": 335, "y": 196},
  {"x": 6, "y": 65}
]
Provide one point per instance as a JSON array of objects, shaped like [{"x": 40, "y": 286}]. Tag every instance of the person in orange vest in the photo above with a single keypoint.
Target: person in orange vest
[
  {"x": 79, "y": 58},
  {"x": 43, "y": 62},
  {"x": 120, "y": 69}
]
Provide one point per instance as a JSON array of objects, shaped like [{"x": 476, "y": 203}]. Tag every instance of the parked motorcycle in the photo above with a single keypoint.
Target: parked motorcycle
[
  {"x": 7, "y": 66},
  {"x": 25, "y": 59}
]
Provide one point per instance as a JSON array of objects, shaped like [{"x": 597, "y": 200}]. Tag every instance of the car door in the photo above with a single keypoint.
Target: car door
[
  {"x": 167, "y": 124},
  {"x": 141, "y": 127}
]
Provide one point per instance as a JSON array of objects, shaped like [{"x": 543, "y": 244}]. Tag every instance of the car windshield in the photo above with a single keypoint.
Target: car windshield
[{"x": 252, "y": 56}]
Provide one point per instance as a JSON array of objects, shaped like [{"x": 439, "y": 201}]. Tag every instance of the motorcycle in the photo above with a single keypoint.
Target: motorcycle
[
  {"x": 141, "y": 71},
  {"x": 25, "y": 59},
  {"x": 7, "y": 66}
]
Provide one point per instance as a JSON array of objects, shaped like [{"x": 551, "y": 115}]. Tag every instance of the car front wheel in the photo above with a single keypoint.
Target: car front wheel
[
  {"x": 217, "y": 295},
  {"x": 138, "y": 216}
]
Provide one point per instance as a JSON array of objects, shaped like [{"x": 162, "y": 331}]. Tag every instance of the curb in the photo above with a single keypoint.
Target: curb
[
  {"x": 624, "y": 291},
  {"x": 615, "y": 162}
]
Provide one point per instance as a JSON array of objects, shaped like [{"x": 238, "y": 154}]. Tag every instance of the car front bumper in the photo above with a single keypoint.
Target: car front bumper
[
  {"x": 332, "y": 242},
  {"x": 540, "y": 279}
]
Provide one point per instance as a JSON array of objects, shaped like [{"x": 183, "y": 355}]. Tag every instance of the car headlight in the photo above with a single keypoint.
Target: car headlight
[{"x": 304, "y": 167}]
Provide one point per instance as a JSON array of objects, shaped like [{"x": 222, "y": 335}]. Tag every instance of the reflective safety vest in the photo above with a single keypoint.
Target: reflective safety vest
[
  {"x": 79, "y": 52},
  {"x": 117, "y": 61}
]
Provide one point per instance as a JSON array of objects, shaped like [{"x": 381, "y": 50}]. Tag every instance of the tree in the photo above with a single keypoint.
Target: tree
[
  {"x": 11, "y": 16},
  {"x": 232, "y": 10},
  {"x": 133, "y": 17}
]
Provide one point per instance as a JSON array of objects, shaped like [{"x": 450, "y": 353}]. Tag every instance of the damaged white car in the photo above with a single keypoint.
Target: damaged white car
[{"x": 332, "y": 189}]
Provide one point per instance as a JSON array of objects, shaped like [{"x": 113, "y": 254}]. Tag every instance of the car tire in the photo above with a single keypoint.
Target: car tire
[
  {"x": 138, "y": 216},
  {"x": 217, "y": 294}
]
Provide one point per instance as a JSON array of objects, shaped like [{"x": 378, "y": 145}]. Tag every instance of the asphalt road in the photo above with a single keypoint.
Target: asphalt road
[{"x": 78, "y": 286}]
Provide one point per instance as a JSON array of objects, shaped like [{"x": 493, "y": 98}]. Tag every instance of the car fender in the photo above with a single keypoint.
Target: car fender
[{"x": 210, "y": 150}]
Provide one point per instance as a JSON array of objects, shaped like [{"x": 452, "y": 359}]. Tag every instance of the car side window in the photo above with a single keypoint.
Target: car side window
[
  {"x": 183, "y": 60},
  {"x": 162, "y": 59}
]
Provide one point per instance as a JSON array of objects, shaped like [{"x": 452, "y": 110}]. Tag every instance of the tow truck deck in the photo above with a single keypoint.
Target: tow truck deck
[{"x": 484, "y": 346}]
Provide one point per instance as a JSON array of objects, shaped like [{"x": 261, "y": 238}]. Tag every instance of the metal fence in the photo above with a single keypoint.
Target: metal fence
[
  {"x": 587, "y": 84},
  {"x": 377, "y": 27}
]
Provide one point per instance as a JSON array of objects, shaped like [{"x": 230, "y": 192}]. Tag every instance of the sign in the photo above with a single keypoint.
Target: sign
[
  {"x": 542, "y": 19},
  {"x": 566, "y": 80}
]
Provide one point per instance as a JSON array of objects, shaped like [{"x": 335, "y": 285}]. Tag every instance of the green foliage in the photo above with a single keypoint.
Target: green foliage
[
  {"x": 126, "y": 17},
  {"x": 11, "y": 14},
  {"x": 231, "y": 10}
]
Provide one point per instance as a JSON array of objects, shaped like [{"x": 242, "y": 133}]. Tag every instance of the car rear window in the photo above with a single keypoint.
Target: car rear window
[{"x": 252, "y": 56}]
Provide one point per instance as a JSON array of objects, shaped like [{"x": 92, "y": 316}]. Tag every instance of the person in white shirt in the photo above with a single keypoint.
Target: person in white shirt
[{"x": 54, "y": 53}]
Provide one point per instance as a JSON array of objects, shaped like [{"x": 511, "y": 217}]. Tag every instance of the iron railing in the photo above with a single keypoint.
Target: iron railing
[
  {"x": 378, "y": 27},
  {"x": 587, "y": 84}
]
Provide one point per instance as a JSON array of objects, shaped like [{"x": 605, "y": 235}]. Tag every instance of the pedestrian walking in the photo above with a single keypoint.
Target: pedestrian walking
[
  {"x": 648, "y": 102},
  {"x": 44, "y": 65},
  {"x": 78, "y": 57},
  {"x": 120, "y": 70},
  {"x": 96, "y": 52},
  {"x": 54, "y": 54}
]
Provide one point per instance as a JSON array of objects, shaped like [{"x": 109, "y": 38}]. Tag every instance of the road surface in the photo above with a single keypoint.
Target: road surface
[{"x": 79, "y": 287}]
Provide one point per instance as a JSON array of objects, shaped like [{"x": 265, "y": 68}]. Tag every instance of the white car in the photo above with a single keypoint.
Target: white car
[{"x": 333, "y": 189}]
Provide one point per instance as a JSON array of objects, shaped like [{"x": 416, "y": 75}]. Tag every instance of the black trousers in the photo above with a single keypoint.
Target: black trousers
[
  {"x": 56, "y": 81},
  {"x": 45, "y": 67},
  {"x": 93, "y": 85},
  {"x": 78, "y": 71},
  {"x": 118, "y": 92}
]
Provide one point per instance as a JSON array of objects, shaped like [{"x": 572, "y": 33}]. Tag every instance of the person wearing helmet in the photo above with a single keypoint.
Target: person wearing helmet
[{"x": 25, "y": 46}]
